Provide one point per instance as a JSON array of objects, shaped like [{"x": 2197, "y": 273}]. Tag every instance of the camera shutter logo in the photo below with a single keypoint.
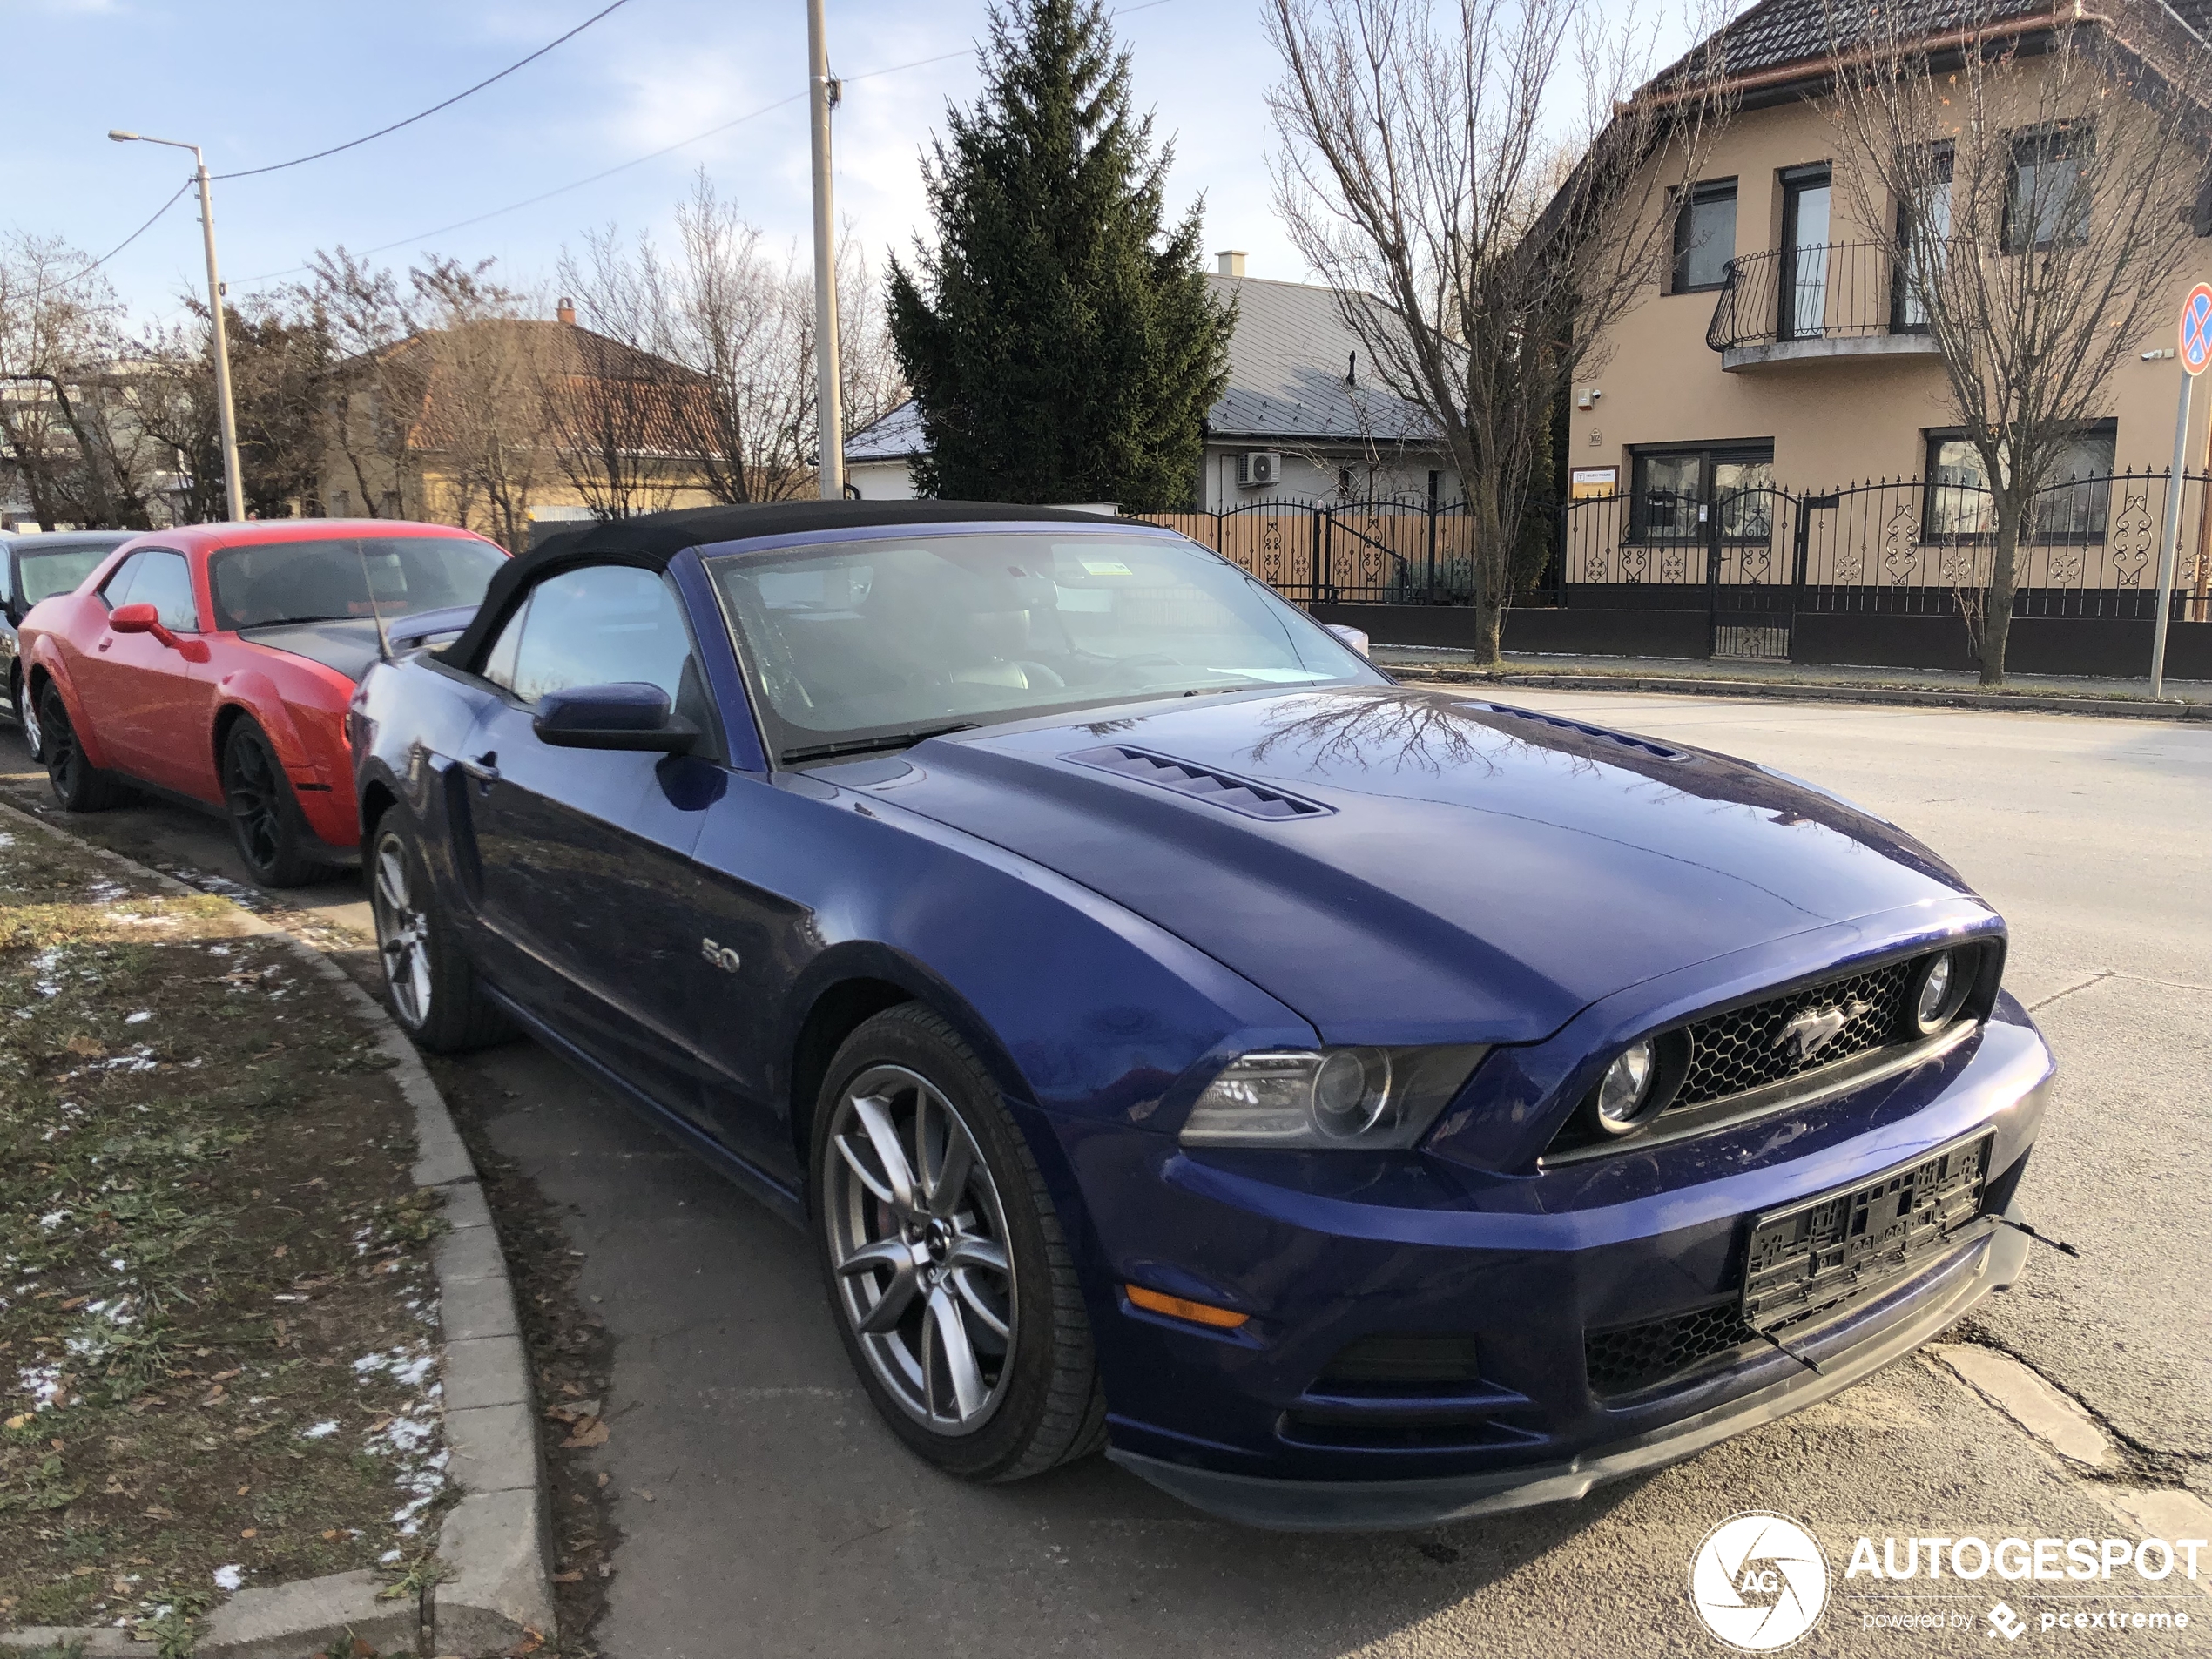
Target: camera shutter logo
[{"x": 1758, "y": 1582}]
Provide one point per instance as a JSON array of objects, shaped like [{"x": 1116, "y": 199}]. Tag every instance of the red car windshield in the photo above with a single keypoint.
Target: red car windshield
[{"x": 336, "y": 578}]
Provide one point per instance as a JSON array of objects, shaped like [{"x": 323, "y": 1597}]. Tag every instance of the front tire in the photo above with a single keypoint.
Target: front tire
[
  {"x": 271, "y": 833},
  {"x": 942, "y": 1254},
  {"x": 429, "y": 984},
  {"x": 78, "y": 785}
]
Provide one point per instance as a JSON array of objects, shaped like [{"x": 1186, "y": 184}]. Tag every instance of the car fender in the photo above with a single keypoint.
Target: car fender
[
  {"x": 46, "y": 661},
  {"x": 255, "y": 694}
]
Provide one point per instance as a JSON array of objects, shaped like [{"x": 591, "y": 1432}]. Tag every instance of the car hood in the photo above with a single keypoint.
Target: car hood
[
  {"x": 1417, "y": 865},
  {"x": 348, "y": 644}
]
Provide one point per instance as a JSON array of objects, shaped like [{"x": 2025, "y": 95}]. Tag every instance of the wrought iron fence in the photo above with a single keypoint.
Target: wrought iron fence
[
  {"x": 1752, "y": 559},
  {"x": 1907, "y": 545}
]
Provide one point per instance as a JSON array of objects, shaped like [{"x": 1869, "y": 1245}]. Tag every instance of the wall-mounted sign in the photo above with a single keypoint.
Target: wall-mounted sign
[{"x": 1586, "y": 483}]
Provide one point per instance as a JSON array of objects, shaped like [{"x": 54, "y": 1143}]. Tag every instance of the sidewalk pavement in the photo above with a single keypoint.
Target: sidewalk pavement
[{"x": 1742, "y": 677}]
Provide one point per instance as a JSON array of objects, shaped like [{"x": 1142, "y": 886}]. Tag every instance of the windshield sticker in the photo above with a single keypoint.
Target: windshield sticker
[{"x": 1106, "y": 567}]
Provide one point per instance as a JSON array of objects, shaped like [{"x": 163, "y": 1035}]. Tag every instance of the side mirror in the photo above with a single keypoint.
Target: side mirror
[
  {"x": 1355, "y": 637},
  {"x": 144, "y": 619},
  {"x": 626, "y": 715}
]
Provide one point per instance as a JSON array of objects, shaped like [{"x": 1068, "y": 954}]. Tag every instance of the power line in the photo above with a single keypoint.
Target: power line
[
  {"x": 297, "y": 161},
  {"x": 635, "y": 161},
  {"x": 79, "y": 276}
]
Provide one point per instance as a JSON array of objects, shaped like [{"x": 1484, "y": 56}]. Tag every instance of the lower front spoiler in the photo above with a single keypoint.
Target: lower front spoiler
[{"x": 1378, "y": 1506}]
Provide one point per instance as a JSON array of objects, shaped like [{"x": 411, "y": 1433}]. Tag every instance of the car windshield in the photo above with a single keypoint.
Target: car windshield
[
  {"x": 331, "y": 578},
  {"x": 44, "y": 571},
  {"x": 873, "y": 643}
]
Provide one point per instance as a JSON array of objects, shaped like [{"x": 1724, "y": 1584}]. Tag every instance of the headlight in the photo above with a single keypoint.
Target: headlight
[
  {"x": 1370, "y": 1098},
  {"x": 1625, "y": 1088},
  {"x": 1937, "y": 991},
  {"x": 1639, "y": 1084}
]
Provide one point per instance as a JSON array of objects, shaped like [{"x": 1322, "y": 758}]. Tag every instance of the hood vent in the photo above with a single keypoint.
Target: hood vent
[
  {"x": 1645, "y": 745},
  {"x": 1216, "y": 788}
]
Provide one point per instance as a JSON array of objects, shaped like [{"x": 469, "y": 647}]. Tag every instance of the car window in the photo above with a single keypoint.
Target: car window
[
  {"x": 164, "y": 581},
  {"x": 45, "y": 571},
  {"x": 116, "y": 590},
  {"x": 601, "y": 626},
  {"x": 331, "y": 578}
]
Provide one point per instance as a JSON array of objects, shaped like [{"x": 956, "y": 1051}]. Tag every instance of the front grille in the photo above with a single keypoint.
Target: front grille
[
  {"x": 1732, "y": 1052},
  {"x": 1620, "y": 1362}
]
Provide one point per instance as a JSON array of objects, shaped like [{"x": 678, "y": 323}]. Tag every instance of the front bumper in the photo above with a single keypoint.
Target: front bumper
[
  {"x": 1533, "y": 1280},
  {"x": 1993, "y": 1263}
]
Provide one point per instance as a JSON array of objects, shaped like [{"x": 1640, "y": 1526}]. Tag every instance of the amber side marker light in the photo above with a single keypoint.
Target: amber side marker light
[{"x": 1176, "y": 1307}]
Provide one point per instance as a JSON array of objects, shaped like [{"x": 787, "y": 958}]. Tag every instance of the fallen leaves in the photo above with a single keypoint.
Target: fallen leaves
[{"x": 591, "y": 1431}]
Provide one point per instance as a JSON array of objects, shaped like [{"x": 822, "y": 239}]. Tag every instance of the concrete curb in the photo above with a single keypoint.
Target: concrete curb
[
  {"x": 495, "y": 1543},
  {"x": 1800, "y": 691}
]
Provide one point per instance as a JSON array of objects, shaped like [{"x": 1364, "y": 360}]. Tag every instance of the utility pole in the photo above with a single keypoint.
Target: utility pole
[
  {"x": 821, "y": 98},
  {"x": 233, "y": 482}
]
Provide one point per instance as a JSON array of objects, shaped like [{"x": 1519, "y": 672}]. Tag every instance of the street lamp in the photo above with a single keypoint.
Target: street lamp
[{"x": 233, "y": 486}]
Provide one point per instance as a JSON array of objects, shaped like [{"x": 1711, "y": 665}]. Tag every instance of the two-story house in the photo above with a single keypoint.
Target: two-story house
[{"x": 1780, "y": 361}]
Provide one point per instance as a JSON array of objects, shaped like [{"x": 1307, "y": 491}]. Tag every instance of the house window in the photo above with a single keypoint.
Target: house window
[
  {"x": 2047, "y": 199},
  {"x": 1923, "y": 231},
  {"x": 2073, "y": 507},
  {"x": 1343, "y": 482},
  {"x": 1689, "y": 495},
  {"x": 1704, "y": 235}
]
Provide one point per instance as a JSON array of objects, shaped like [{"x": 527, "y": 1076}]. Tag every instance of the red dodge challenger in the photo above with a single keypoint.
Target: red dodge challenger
[{"x": 215, "y": 665}]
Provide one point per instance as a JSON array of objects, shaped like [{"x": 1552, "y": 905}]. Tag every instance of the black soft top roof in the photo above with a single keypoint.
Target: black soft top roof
[{"x": 650, "y": 540}]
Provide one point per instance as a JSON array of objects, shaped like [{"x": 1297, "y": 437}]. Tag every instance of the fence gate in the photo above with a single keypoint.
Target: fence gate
[{"x": 1752, "y": 535}]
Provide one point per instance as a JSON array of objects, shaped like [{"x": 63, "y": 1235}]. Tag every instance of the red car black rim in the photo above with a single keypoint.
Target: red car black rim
[{"x": 253, "y": 795}]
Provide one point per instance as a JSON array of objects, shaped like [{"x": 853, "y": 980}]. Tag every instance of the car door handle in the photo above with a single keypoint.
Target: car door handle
[
  {"x": 105, "y": 644},
  {"x": 484, "y": 768}
]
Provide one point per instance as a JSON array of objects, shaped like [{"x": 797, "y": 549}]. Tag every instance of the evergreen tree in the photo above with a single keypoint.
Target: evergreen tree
[{"x": 1059, "y": 336}]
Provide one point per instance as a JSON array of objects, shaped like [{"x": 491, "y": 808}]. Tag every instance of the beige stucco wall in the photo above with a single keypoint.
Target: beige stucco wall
[{"x": 1832, "y": 420}]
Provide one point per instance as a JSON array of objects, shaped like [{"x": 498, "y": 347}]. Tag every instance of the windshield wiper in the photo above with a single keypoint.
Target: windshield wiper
[{"x": 868, "y": 745}]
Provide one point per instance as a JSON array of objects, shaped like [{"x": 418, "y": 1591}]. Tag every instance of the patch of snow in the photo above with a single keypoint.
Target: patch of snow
[
  {"x": 319, "y": 1431},
  {"x": 139, "y": 1018},
  {"x": 229, "y": 1578},
  {"x": 54, "y": 1220},
  {"x": 388, "y": 1557}
]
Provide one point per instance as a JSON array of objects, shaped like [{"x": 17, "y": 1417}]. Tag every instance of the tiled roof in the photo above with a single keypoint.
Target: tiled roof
[
  {"x": 1286, "y": 380},
  {"x": 1776, "y": 33}
]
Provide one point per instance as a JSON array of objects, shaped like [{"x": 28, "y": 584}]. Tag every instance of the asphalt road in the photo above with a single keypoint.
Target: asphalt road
[{"x": 763, "y": 1510}]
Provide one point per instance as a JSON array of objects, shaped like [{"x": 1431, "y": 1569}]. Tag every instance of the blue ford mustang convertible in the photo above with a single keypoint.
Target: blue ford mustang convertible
[{"x": 1349, "y": 1105}]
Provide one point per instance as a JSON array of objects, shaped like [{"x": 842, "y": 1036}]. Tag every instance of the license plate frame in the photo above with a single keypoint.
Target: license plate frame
[{"x": 1837, "y": 1249}]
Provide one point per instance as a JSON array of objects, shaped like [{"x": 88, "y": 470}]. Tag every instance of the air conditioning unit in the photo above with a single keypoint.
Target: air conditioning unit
[{"x": 1259, "y": 470}]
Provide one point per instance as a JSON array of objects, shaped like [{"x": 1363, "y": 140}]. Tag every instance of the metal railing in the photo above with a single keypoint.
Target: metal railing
[
  {"x": 1828, "y": 291},
  {"x": 1906, "y": 546}
]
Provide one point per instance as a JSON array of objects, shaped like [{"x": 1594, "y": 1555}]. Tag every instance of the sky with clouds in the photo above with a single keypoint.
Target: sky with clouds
[{"x": 259, "y": 81}]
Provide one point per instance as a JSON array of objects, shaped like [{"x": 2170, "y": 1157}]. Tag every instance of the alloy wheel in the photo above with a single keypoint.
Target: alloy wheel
[
  {"x": 253, "y": 792},
  {"x": 918, "y": 1243},
  {"x": 64, "y": 756},
  {"x": 402, "y": 932},
  {"x": 27, "y": 717}
]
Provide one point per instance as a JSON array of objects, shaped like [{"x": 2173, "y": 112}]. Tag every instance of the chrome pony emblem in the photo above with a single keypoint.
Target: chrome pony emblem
[{"x": 1810, "y": 1030}]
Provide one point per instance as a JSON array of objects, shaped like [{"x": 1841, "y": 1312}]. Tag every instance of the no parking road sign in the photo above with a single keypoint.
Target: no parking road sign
[{"x": 2196, "y": 329}]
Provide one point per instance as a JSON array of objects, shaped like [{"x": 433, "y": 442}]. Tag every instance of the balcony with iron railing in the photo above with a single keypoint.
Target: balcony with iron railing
[{"x": 1800, "y": 304}]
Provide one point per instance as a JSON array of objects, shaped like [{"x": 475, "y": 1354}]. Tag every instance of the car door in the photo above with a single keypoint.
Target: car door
[
  {"x": 147, "y": 702},
  {"x": 582, "y": 857}
]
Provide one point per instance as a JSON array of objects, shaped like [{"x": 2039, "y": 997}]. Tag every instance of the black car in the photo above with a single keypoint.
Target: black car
[{"x": 31, "y": 568}]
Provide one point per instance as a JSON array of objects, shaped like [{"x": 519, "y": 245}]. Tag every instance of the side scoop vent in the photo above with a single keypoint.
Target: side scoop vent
[
  {"x": 1645, "y": 745},
  {"x": 1216, "y": 788}
]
